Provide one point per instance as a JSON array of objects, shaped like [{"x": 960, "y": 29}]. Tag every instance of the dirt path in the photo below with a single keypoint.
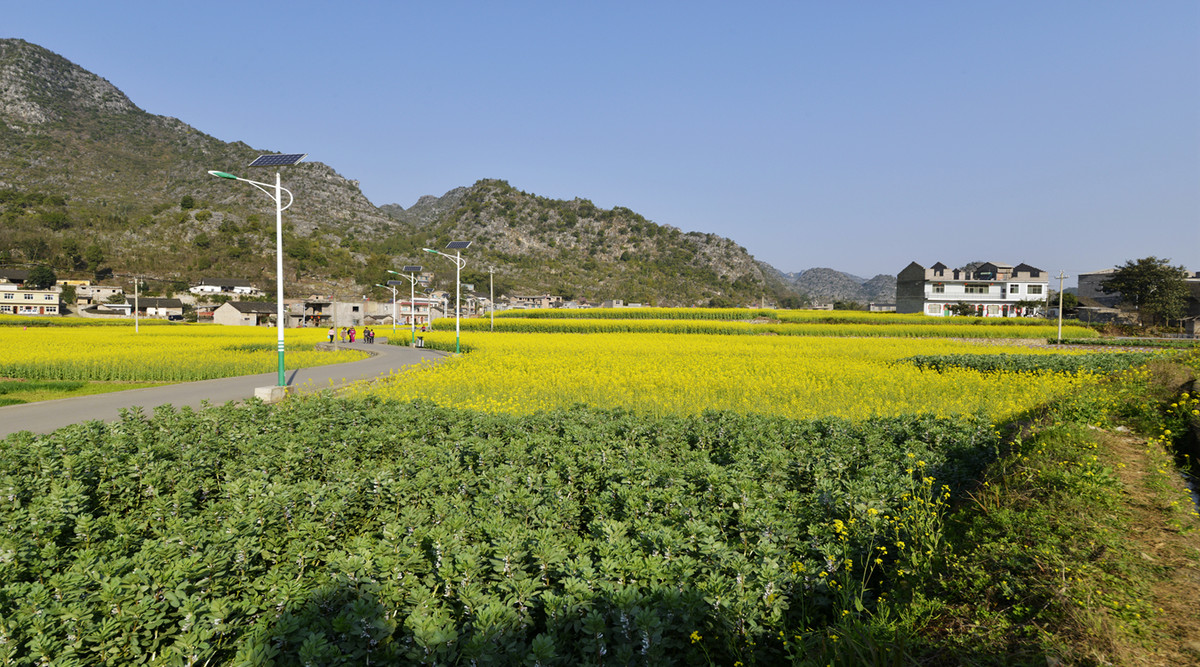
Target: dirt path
[{"x": 1167, "y": 537}]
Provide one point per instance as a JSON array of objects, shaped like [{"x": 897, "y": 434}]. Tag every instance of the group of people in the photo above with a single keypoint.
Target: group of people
[{"x": 348, "y": 335}]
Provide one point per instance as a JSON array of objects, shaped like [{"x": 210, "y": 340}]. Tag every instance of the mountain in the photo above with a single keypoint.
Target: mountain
[
  {"x": 80, "y": 164},
  {"x": 827, "y": 285},
  {"x": 580, "y": 251},
  {"x": 89, "y": 182}
]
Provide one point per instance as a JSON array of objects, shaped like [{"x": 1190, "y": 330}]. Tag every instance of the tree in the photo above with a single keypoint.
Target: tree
[
  {"x": 964, "y": 309},
  {"x": 94, "y": 256},
  {"x": 1070, "y": 302},
  {"x": 72, "y": 254},
  {"x": 187, "y": 202},
  {"x": 1151, "y": 285},
  {"x": 41, "y": 277}
]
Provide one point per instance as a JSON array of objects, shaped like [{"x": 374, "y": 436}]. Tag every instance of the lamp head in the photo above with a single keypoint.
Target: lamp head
[{"x": 222, "y": 174}]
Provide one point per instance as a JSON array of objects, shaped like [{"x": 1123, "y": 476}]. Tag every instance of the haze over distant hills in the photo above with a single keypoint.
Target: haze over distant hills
[{"x": 83, "y": 171}]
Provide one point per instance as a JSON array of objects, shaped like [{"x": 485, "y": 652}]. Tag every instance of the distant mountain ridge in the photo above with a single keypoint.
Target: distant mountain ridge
[
  {"x": 829, "y": 285},
  {"x": 82, "y": 166}
]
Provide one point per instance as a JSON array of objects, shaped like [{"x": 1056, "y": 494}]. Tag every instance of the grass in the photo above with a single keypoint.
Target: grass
[
  {"x": 15, "y": 391},
  {"x": 1077, "y": 547}
]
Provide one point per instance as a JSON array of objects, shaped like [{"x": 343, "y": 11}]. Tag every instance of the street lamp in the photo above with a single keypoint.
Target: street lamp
[
  {"x": 1061, "y": 277},
  {"x": 393, "y": 288},
  {"x": 277, "y": 197},
  {"x": 411, "y": 271},
  {"x": 459, "y": 263}
]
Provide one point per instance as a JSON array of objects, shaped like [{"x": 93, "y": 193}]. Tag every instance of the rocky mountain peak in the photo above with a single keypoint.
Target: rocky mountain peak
[{"x": 38, "y": 86}]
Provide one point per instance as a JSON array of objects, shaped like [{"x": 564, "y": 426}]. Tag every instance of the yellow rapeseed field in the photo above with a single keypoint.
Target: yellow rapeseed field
[
  {"x": 175, "y": 353},
  {"x": 659, "y": 374}
]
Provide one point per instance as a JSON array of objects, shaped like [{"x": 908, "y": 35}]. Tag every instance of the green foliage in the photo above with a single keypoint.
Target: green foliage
[
  {"x": 341, "y": 531},
  {"x": 1125, "y": 342},
  {"x": 93, "y": 256},
  {"x": 1099, "y": 363},
  {"x": 54, "y": 220},
  {"x": 1151, "y": 285},
  {"x": 187, "y": 202},
  {"x": 72, "y": 256},
  {"x": 963, "y": 309},
  {"x": 23, "y": 387},
  {"x": 41, "y": 277}
]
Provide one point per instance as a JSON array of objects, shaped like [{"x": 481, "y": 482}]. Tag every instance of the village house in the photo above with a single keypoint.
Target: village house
[
  {"x": 13, "y": 276},
  {"x": 171, "y": 309},
  {"x": 86, "y": 295},
  {"x": 990, "y": 290},
  {"x": 14, "y": 301},
  {"x": 231, "y": 286},
  {"x": 245, "y": 313},
  {"x": 539, "y": 301}
]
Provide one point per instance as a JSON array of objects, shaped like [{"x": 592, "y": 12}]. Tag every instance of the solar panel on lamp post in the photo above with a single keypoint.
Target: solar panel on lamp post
[
  {"x": 459, "y": 263},
  {"x": 411, "y": 270},
  {"x": 279, "y": 160}
]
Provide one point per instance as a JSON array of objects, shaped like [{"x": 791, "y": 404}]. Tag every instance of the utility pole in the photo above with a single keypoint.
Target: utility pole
[{"x": 1061, "y": 275}]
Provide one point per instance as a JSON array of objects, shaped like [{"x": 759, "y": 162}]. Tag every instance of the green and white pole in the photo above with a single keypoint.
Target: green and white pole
[
  {"x": 279, "y": 272},
  {"x": 279, "y": 206},
  {"x": 459, "y": 263}
]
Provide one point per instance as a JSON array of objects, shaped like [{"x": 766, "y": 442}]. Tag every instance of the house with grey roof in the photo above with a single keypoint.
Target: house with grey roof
[
  {"x": 990, "y": 289},
  {"x": 245, "y": 313}
]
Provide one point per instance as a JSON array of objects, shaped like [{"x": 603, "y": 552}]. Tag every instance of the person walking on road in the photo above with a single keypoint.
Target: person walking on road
[
  {"x": 331, "y": 334},
  {"x": 352, "y": 332}
]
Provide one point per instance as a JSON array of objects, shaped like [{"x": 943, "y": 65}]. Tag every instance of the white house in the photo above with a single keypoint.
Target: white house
[
  {"x": 992, "y": 289},
  {"x": 232, "y": 286},
  {"x": 29, "y": 301}
]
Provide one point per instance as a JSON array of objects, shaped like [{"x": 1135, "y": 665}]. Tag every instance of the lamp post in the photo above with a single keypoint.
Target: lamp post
[
  {"x": 1061, "y": 275},
  {"x": 410, "y": 272},
  {"x": 492, "y": 295},
  {"x": 393, "y": 288},
  {"x": 277, "y": 197},
  {"x": 459, "y": 263}
]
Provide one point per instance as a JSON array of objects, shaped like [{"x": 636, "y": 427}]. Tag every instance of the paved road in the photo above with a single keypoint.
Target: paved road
[{"x": 46, "y": 416}]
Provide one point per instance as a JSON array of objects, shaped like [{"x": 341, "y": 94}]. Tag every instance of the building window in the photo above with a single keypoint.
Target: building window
[
  {"x": 975, "y": 288},
  {"x": 993, "y": 310},
  {"x": 1035, "y": 289},
  {"x": 29, "y": 297},
  {"x": 939, "y": 288},
  {"x": 1014, "y": 289},
  {"x": 8, "y": 295}
]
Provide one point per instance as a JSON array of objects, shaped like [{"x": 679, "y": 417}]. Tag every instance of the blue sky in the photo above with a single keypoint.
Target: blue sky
[{"x": 853, "y": 135}]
